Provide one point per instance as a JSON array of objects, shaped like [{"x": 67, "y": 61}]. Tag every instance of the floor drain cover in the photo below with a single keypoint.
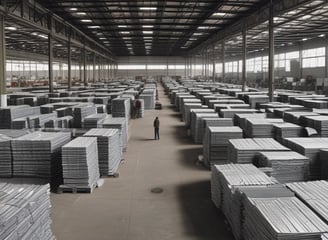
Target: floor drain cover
[{"x": 157, "y": 190}]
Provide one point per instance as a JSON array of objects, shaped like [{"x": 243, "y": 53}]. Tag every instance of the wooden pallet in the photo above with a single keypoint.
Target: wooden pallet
[
  {"x": 72, "y": 189},
  {"x": 79, "y": 189}
]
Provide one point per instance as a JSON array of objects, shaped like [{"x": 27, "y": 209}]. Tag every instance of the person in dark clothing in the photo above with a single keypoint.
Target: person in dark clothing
[
  {"x": 156, "y": 128},
  {"x": 138, "y": 107}
]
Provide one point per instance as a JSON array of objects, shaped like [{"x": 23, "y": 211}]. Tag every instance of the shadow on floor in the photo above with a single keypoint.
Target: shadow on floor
[
  {"x": 189, "y": 158},
  {"x": 180, "y": 134},
  {"x": 143, "y": 139},
  {"x": 201, "y": 218}
]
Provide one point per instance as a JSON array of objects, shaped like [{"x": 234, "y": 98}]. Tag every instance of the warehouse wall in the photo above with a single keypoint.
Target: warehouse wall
[
  {"x": 153, "y": 66},
  {"x": 319, "y": 72}
]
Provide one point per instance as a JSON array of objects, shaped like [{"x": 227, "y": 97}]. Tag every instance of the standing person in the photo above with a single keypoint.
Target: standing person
[
  {"x": 138, "y": 107},
  {"x": 156, "y": 128}
]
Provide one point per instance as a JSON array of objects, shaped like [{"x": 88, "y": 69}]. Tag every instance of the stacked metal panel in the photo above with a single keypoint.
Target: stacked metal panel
[
  {"x": 286, "y": 166},
  {"x": 218, "y": 107},
  {"x": 324, "y": 163},
  {"x": 196, "y": 110},
  {"x": 81, "y": 111},
  {"x": 260, "y": 128},
  {"x": 226, "y": 178},
  {"x": 187, "y": 108},
  {"x": 122, "y": 125},
  {"x": 8, "y": 114},
  {"x": 80, "y": 162},
  {"x": 286, "y": 130},
  {"x": 38, "y": 155},
  {"x": 236, "y": 214},
  {"x": 245, "y": 150},
  {"x": 229, "y": 113},
  {"x": 187, "y": 99},
  {"x": 121, "y": 107},
  {"x": 281, "y": 218},
  {"x": 314, "y": 194},
  {"x": 255, "y": 100},
  {"x": 180, "y": 97},
  {"x": 294, "y": 117},
  {"x": 94, "y": 120},
  {"x": 149, "y": 96},
  {"x": 5, "y": 156},
  {"x": 240, "y": 119},
  {"x": 319, "y": 123},
  {"x": 39, "y": 121},
  {"x": 109, "y": 149},
  {"x": 25, "y": 212},
  {"x": 217, "y": 122},
  {"x": 197, "y": 130},
  {"x": 309, "y": 147},
  {"x": 216, "y": 141}
]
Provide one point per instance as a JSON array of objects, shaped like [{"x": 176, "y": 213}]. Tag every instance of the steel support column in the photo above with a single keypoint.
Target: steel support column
[
  {"x": 85, "y": 72},
  {"x": 244, "y": 58},
  {"x": 3, "y": 90},
  {"x": 190, "y": 73},
  {"x": 214, "y": 70},
  {"x": 326, "y": 59},
  {"x": 50, "y": 62},
  {"x": 271, "y": 53},
  {"x": 223, "y": 60},
  {"x": 94, "y": 68},
  {"x": 69, "y": 64}
]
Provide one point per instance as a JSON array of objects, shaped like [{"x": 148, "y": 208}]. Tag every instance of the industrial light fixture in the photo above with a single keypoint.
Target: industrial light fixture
[
  {"x": 148, "y": 37},
  {"x": 86, "y": 20},
  {"x": 122, "y": 26},
  {"x": 198, "y": 34},
  {"x": 304, "y": 39},
  {"x": 219, "y": 14},
  {"x": 147, "y": 32},
  {"x": 11, "y": 28},
  {"x": 193, "y": 39},
  {"x": 147, "y": 26},
  {"x": 81, "y": 13},
  {"x": 127, "y": 38},
  {"x": 73, "y": 9},
  {"x": 321, "y": 35},
  {"x": 102, "y": 38},
  {"x": 125, "y": 32},
  {"x": 148, "y": 8},
  {"x": 94, "y": 26}
]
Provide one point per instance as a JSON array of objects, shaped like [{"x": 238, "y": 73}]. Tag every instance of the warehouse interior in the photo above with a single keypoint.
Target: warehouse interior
[{"x": 240, "y": 90}]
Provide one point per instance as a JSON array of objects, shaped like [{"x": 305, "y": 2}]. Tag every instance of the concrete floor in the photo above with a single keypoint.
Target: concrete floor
[{"x": 125, "y": 209}]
